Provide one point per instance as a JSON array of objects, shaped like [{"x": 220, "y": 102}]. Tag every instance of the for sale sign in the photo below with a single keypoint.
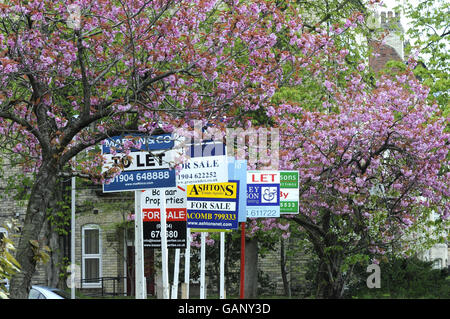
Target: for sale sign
[
  {"x": 175, "y": 225},
  {"x": 213, "y": 206},
  {"x": 151, "y": 201},
  {"x": 207, "y": 164},
  {"x": 263, "y": 194}
]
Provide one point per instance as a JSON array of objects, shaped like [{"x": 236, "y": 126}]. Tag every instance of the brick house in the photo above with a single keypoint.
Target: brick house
[
  {"x": 12, "y": 208},
  {"x": 101, "y": 244}
]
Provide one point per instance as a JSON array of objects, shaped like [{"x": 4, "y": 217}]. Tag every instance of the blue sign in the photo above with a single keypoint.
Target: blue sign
[
  {"x": 145, "y": 167},
  {"x": 207, "y": 148},
  {"x": 237, "y": 170},
  {"x": 141, "y": 179},
  {"x": 258, "y": 195}
]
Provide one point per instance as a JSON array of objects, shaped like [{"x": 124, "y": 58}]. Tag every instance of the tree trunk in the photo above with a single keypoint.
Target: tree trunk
[
  {"x": 251, "y": 268},
  {"x": 56, "y": 239},
  {"x": 40, "y": 200},
  {"x": 329, "y": 283},
  {"x": 53, "y": 267},
  {"x": 284, "y": 274},
  {"x": 329, "y": 278}
]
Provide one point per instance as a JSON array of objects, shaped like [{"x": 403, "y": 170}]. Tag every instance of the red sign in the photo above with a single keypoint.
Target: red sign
[{"x": 172, "y": 214}]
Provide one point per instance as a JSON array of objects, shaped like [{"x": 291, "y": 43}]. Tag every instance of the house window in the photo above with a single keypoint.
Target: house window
[
  {"x": 3, "y": 234},
  {"x": 92, "y": 256}
]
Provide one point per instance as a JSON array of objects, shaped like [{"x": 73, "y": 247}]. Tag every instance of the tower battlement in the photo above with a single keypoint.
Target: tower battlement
[{"x": 390, "y": 20}]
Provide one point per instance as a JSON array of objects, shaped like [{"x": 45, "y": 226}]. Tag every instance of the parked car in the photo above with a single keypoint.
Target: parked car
[{"x": 41, "y": 292}]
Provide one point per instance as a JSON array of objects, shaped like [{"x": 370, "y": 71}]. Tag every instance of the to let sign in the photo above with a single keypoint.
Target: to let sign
[
  {"x": 147, "y": 166},
  {"x": 263, "y": 194}
]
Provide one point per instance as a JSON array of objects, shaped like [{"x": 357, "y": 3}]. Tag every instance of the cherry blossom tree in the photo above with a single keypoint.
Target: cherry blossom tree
[
  {"x": 73, "y": 74},
  {"x": 373, "y": 168},
  {"x": 373, "y": 159}
]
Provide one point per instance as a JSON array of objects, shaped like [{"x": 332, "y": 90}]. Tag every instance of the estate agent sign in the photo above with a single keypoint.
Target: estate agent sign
[
  {"x": 175, "y": 217},
  {"x": 213, "y": 206},
  {"x": 263, "y": 194}
]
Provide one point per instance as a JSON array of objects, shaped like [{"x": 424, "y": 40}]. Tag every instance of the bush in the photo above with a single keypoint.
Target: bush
[{"x": 404, "y": 278}]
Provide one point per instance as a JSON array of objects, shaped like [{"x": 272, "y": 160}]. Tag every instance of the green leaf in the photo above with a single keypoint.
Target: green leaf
[
  {"x": 3, "y": 295},
  {"x": 34, "y": 243}
]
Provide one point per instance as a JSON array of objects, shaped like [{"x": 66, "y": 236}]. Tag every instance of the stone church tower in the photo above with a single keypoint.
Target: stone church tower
[{"x": 392, "y": 46}]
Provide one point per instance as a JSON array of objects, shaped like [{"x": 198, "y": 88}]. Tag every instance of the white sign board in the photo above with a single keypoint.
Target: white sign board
[{"x": 205, "y": 165}]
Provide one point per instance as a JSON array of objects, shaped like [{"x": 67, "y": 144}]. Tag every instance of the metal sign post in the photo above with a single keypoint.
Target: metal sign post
[
  {"x": 187, "y": 260},
  {"x": 164, "y": 252},
  {"x": 237, "y": 170},
  {"x": 139, "y": 247},
  {"x": 202, "y": 266},
  {"x": 72, "y": 242},
  {"x": 242, "y": 288},
  {"x": 222, "y": 265},
  {"x": 175, "y": 274}
]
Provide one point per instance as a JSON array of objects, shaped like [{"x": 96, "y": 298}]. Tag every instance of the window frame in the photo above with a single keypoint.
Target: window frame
[
  {"x": 3, "y": 231},
  {"x": 85, "y": 256}
]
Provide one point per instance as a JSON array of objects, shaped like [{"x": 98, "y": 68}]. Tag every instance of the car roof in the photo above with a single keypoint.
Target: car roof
[
  {"x": 44, "y": 287},
  {"x": 51, "y": 292}
]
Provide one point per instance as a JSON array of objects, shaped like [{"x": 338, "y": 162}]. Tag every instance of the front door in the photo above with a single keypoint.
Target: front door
[{"x": 149, "y": 271}]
